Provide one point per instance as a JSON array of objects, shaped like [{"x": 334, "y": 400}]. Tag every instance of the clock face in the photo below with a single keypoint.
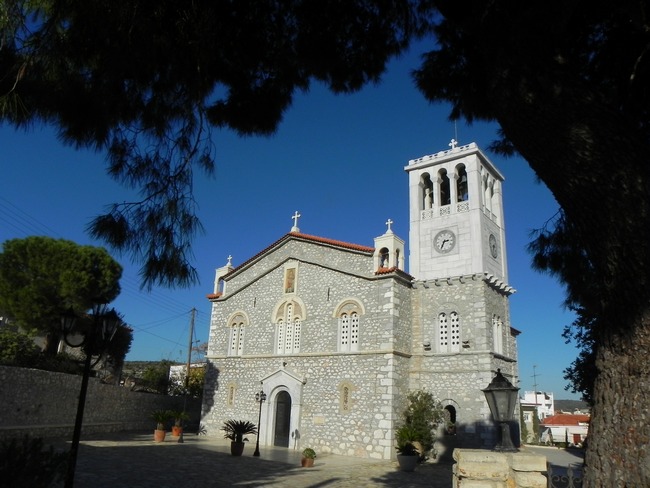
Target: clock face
[
  {"x": 492, "y": 243},
  {"x": 444, "y": 241}
]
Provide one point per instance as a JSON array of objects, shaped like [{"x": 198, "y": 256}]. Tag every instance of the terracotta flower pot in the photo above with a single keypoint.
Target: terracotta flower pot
[
  {"x": 159, "y": 435},
  {"x": 307, "y": 462},
  {"x": 177, "y": 430}
]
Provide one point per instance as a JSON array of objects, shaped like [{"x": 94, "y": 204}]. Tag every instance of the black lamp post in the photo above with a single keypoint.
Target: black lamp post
[
  {"x": 108, "y": 322},
  {"x": 502, "y": 397},
  {"x": 259, "y": 397}
]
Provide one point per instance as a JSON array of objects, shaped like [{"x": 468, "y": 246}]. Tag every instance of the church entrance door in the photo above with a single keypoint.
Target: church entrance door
[{"x": 282, "y": 419}]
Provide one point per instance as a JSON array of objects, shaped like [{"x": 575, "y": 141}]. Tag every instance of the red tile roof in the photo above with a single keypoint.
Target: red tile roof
[
  {"x": 382, "y": 270},
  {"x": 566, "y": 419},
  {"x": 347, "y": 245}
]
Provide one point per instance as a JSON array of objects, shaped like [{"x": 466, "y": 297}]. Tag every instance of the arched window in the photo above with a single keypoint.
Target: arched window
[
  {"x": 289, "y": 323},
  {"x": 348, "y": 321},
  {"x": 237, "y": 325},
  {"x": 497, "y": 333},
  {"x": 448, "y": 332},
  {"x": 345, "y": 397}
]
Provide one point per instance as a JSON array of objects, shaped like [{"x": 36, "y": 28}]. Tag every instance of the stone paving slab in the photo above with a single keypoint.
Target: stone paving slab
[{"x": 133, "y": 460}]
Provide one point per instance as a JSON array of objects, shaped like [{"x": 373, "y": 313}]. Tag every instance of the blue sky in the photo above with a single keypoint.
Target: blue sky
[{"x": 338, "y": 160}]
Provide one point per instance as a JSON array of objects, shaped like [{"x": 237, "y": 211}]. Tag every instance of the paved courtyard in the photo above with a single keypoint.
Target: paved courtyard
[
  {"x": 133, "y": 460},
  {"x": 128, "y": 460}
]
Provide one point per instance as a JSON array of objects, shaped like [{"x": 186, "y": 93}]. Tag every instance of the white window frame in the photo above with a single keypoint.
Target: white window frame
[{"x": 449, "y": 332}]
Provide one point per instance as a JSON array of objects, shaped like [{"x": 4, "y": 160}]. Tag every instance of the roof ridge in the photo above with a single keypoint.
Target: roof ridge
[
  {"x": 335, "y": 242},
  {"x": 309, "y": 237}
]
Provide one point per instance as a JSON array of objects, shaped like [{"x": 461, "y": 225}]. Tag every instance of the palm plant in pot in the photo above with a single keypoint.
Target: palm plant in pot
[
  {"x": 235, "y": 430},
  {"x": 160, "y": 417},
  {"x": 408, "y": 454},
  {"x": 179, "y": 417}
]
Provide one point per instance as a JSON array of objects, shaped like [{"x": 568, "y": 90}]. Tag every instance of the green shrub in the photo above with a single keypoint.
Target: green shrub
[
  {"x": 421, "y": 418},
  {"x": 26, "y": 463},
  {"x": 17, "y": 349}
]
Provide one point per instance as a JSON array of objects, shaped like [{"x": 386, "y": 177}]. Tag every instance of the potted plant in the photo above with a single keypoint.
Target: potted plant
[
  {"x": 422, "y": 416},
  {"x": 160, "y": 417},
  {"x": 308, "y": 456},
  {"x": 235, "y": 430},
  {"x": 179, "y": 416},
  {"x": 408, "y": 454}
]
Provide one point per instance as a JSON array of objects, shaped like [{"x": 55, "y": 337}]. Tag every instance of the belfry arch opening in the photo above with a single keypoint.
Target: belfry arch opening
[
  {"x": 445, "y": 193},
  {"x": 426, "y": 189},
  {"x": 462, "y": 189}
]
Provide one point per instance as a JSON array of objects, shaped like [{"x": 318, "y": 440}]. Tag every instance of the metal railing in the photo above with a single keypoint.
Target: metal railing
[{"x": 564, "y": 477}]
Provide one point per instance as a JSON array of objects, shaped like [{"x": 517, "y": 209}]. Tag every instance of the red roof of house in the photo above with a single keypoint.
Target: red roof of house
[{"x": 566, "y": 419}]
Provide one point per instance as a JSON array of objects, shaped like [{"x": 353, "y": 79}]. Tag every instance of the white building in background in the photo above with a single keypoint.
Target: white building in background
[{"x": 542, "y": 400}]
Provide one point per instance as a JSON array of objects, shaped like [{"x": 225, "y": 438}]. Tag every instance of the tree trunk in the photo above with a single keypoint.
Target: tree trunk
[
  {"x": 618, "y": 453},
  {"x": 506, "y": 61},
  {"x": 595, "y": 163},
  {"x": 595, "y": 175}
]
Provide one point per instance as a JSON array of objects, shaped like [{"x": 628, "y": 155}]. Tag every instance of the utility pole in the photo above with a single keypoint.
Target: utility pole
[
  {"x": 535, "y": 385},
  {"x": 189, "y": 349},
  {"x": 187, "y": 372}
]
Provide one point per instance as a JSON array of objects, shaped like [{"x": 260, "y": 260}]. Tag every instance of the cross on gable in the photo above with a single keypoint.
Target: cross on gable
[
  {"x": 389, "y": 222},
  {"x": 229, "y": 260},
  {"x": 453, "y": 144},
  {"x": 295, "y": 218}
]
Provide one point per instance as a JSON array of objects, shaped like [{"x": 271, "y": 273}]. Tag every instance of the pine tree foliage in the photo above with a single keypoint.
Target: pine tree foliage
[
  {"x": 148, "y": 81},
  {"x": 567, "y": 83},
  {"x": 41, "y": 278}
]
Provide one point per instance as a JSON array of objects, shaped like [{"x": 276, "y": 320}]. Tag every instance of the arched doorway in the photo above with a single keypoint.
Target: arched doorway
[
  {"x": 282, "y": 419},
  {"x": 450, "y": 420}
]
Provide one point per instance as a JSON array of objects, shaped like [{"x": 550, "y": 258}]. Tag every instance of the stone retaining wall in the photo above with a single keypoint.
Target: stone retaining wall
[
  {"x": 476, "y": 468},
  {"x": 44, "y": 404}
]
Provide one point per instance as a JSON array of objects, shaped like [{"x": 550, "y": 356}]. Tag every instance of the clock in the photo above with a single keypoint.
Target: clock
[
  {"x": 444, "y": 241},
  {"x": 492, "y": 244}
]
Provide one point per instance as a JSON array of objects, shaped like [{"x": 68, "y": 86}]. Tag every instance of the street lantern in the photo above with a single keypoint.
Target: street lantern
[
  {"x": 501, "y": 397},
  {"x": 260, "y": 397},
  {"x": 109, "y": 322}
]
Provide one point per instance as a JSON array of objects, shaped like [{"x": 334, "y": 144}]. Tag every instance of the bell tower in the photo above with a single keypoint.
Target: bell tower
[{"x": 456, "y": 215}]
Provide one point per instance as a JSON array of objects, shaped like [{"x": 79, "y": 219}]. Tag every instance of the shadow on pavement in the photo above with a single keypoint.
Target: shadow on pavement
[{"x": 134, "y": 460}]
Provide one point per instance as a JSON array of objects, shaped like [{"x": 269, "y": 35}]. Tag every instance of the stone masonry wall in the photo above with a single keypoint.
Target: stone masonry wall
[
  {"x": 365, "y": 429},
  {"x": 457, "y": 377},
  {"x": 44, "y": 404}
]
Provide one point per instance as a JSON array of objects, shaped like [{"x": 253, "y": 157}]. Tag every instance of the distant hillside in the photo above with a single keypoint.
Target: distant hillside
[{"x": 570, "y": 405}]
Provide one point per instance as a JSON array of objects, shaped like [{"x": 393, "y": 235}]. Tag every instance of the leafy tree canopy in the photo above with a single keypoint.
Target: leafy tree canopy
[
  {"x": 146, "y": 81},
  {"x": 41, "y": 278}
]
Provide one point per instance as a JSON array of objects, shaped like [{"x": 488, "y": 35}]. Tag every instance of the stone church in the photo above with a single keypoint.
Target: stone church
[{"x": 337, "y": 334}]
